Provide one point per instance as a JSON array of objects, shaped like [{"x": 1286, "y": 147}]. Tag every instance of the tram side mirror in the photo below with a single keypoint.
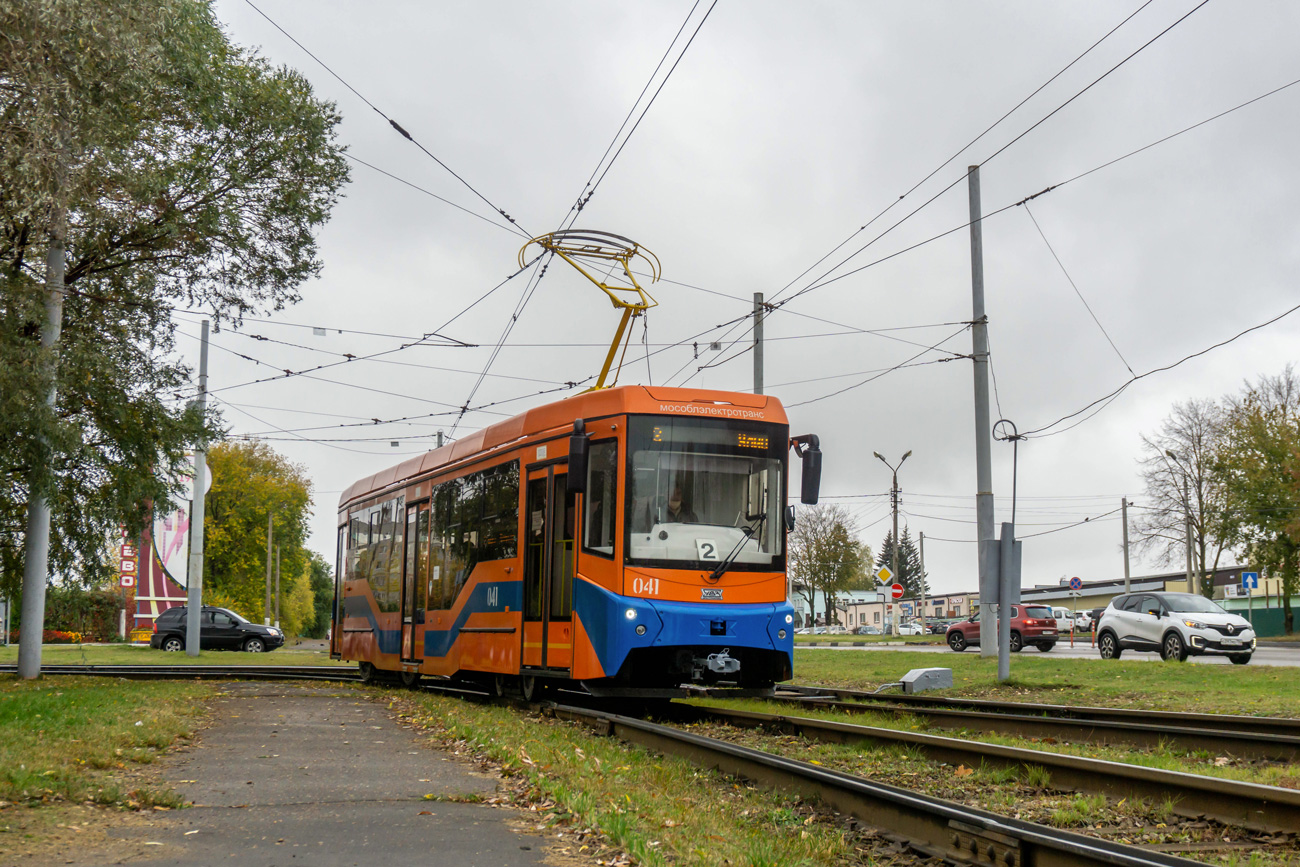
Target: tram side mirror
[
  {"x": 576, "y": 480},
  {"x": 789, "y": 519},
  {"x": 809, "y": 448}
]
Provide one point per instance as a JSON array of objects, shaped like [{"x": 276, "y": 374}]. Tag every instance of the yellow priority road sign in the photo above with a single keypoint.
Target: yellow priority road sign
[{"x": 884, "y": 575}]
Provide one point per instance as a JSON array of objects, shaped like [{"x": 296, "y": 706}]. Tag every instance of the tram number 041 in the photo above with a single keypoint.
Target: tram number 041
[{"x": 645, "y": 586}]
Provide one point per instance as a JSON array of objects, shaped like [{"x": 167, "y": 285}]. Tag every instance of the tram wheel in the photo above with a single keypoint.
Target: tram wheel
[
  {"x": 499, "y": 685},
  {"x": 366, "y": 672},
  {"x": 410, "y": 679},
  {"x": 533, "y": 687}
]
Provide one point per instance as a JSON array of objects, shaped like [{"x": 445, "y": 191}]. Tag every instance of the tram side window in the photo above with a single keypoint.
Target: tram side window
[
  {"x": 396, "y": 530},
  {"x": 500, "y": 537},
  {"x": 602, "y": 488},
  {"x": 376, "y": 553},
  {"x": 440, "y": 548},
  {"x": 475, "y": 518},
  {"x": 358, "y": 546}
]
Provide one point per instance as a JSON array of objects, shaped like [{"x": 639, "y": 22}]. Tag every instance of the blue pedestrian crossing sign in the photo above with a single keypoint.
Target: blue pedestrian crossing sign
[{"x": 1249, "y": 580}]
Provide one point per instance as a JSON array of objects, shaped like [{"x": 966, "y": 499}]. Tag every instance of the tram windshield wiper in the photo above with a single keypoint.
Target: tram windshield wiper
[{"x": 749, "y": 532}]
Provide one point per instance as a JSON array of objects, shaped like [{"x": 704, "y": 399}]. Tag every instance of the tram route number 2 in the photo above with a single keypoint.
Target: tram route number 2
[{"x": 706, "y": 549}]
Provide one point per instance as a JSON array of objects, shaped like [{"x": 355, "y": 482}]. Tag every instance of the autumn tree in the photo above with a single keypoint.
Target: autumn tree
[
  {"x": 322, "y": 588},
  {"x": 825, "y": 554},
  {"x": 145, "y": 163},
  {"x": 909, "y": 563},
  {"x": 1258, "y": 465},
  {"x": 1178, "y": 472},
  {"x": 250, "y": 482}
]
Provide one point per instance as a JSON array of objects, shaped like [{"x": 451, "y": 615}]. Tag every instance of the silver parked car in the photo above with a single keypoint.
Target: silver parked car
[{"x": 1175, "y": 625}]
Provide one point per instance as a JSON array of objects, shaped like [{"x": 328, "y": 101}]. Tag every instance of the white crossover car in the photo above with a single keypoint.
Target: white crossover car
[{"x": 1176, "y": 625}]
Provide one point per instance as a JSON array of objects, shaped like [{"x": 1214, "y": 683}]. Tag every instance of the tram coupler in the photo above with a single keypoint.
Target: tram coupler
[{"x": 715, "y": 663}]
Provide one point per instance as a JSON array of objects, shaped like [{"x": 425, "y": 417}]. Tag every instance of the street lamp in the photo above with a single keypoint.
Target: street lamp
[
  {"x": 1192, "y": 581},
  {"x": 894, "y": 499}
]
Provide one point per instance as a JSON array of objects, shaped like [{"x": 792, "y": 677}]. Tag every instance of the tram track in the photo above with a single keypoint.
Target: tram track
[
  {"x": 932, "y": 825},
  {"x": 1268, "y": 739},
  {"x": 1268, "y": 809},
  {"x": 1170, "y": 719}
]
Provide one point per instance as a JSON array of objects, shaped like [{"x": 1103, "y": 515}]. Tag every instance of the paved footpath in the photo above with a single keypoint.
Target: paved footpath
[{"x": 293, "y": 774}]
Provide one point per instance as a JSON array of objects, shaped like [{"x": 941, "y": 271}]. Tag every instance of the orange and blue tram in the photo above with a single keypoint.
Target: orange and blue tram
[{"x": 629, "y": 541}]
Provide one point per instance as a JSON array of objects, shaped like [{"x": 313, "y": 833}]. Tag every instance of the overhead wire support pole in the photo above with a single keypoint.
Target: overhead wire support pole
[
  {"x": 36, "y": 543},
  {"x": 758, "y": 343},
  {"x": 194, "y": 574},
  {"x": 987, "y": 546},
  {"x": 1123, "y": 504}
]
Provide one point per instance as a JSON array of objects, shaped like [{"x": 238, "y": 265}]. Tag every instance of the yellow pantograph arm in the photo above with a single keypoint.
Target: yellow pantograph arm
[{"x": 579, "y": 246}]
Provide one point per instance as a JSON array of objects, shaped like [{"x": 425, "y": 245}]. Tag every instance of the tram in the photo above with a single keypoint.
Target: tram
[{"x": 628, "y": 541}]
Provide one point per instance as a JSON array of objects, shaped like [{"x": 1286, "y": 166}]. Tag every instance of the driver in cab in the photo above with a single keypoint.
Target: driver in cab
[{"x": 679, "y": 512}]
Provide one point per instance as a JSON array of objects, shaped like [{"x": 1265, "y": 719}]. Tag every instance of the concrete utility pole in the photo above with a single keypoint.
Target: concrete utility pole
[
  {"x": 758, "y": 343},
  {"x": 1123, "y": 504},
  {"x": 987, "y": 547},
  {"x": 893, "y": 493},
  {"x": 924, "y": 631},
  {"x": 439, "y": 439},
  {"x": 194, "y": 581},
  {"x": 266, "y": 610},
  {"x": 277, "y": 586},
  {"x": 36, "y": 553}
]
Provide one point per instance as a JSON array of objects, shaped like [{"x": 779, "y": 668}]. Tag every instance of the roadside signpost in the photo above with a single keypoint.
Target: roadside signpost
[
  {"x": 1250, "y": 583},
  {"x": 1076, "y": 584}
]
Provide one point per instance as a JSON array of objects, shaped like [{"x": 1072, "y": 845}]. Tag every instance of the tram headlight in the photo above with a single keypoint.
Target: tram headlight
[
  {"x": 630, "y": 614},
  {"x": 781, "y": 634},
  {"x": 640, "y": 629},
  {"x": 789, "y": 618}
]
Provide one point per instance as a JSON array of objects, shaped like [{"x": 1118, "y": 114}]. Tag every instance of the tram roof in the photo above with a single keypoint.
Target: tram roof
[{"x": 559, "y": 415}]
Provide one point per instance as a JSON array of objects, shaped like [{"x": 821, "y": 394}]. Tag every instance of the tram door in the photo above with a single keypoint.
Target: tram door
[
  {"x": 548, "y": 571},
  {"x": 415, "y": 579}
]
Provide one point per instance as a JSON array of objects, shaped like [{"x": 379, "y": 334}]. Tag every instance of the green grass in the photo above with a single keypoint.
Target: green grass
[
  {"x": 1258, "y": 690},
  {"x": 659, "y": 810},
  {"x": 66, "y": 739},
  {"x": 132, "y": 654}
]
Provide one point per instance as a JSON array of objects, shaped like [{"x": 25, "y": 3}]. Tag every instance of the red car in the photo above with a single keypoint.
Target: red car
[{"x": 1030, "y": 624}]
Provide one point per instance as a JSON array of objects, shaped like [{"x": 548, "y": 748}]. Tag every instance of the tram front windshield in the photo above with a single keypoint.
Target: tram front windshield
[{"x": 704, "y": 491}]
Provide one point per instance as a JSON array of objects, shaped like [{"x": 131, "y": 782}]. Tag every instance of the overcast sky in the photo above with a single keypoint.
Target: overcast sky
[{"x": 784, "y": 129}]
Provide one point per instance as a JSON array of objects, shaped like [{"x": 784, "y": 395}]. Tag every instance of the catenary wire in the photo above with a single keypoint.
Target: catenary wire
[
  {"x": 394, "y": 124},
  {"x": 965, "y": 147},
  {"x": 1075, "y": 287},
  {"x": 1037, "y": 433}
]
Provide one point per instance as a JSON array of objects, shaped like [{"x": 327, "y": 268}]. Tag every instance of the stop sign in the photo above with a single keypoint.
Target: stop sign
[{"x": 896, "y": 591}]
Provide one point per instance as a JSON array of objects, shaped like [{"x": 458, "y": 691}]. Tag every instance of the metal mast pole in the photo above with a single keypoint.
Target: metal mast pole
[
  {"x": 924, "y": 631},
  {"x": 1192, "y": 580},
  {"x": 987, "y": 547},
  {"x": 1124, "y": 511},
  {"x": 277, "y": 586},
  {"x": 194, "y": 579},
  {"x": 36, "y": 554},
  {"x": 758, "y": 343},
  {"x": 266, "y": 609}
]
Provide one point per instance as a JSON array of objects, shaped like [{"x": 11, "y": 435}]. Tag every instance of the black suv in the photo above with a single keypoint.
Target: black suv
[{"x": 219, "y": 629}]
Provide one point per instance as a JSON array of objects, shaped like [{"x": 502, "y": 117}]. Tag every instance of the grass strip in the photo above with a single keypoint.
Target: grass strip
[
  {"x": 134, "y": 654},
  {"x": 69, "y": 739},
  {"x": 1257, "y": 690},
  {"x": 656, "y": 810}
]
